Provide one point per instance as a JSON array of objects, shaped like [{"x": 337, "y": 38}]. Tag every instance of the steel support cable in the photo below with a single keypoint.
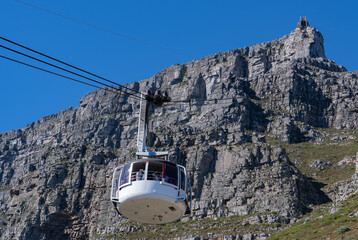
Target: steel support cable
[
  {"x": 105, "y": 30},
  {"x": 63, "y": 69},
  {"x": 195, "y": 101},
  {"x": 27, "y": 48},
  {"x": 69, "y": 65},
  {"x": 57, "y": 74}
]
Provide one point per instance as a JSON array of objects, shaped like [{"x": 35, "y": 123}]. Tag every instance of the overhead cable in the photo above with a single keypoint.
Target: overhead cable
[
  {"x": 63, "y": 69},
  {"x": 52, "y": 58},
  {"x": 172, "y": 102},
  {"x": 60, "y": 75},
  {"x": 109, "y": 90},
  {"x": 194, "y": 101}
]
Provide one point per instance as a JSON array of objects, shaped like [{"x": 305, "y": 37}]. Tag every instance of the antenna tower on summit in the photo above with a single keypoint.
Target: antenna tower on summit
[{"x": 303, "y": 23}]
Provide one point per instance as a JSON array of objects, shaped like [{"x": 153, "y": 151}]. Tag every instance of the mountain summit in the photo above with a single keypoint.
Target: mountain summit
[
  {"x": 304, "y": 41},
  {"x": 234, "y": 107}
]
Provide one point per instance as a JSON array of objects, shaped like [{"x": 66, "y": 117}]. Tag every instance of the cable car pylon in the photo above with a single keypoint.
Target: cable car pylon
[{"x": 151, "y": 189}]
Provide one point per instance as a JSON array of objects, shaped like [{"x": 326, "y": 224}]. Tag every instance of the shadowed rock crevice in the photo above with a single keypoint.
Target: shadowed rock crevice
[
  {"x": 305, "y": 94},
  {"x": 201, "y": 168},
  {"x": 55, "y": 227}
]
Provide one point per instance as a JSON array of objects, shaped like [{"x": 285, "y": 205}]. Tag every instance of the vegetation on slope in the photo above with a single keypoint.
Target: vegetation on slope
[
  {"x": 334, "y": 149},
  {"x": 328, "y": 221},
  {"x": 207, "y": 228}
]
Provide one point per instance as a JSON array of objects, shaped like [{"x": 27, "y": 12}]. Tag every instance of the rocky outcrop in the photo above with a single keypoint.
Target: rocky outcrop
[
  {"x": 343, "y": 189},
  {"x": 56, "y": 173},
  {"x": 244, "y": 181}
]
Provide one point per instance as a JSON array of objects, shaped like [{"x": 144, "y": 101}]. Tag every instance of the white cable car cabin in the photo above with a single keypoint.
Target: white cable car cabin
[{"x": 150, "y": 189}]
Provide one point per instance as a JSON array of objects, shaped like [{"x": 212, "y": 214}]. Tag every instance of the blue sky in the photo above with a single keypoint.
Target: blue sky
[{"x": 194, "y": 28}]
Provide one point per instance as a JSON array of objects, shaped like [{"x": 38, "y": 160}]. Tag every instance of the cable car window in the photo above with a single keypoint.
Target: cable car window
[
  {"x": 125, "y": 174},
  {"x": 155, "y": 171},
  {"x": 171, "y": 174},
  {"x": 182, "y": 179},
  {"x": 138, "y": 171}
]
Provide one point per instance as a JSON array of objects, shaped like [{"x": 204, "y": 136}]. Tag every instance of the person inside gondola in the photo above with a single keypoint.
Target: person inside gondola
[
  {"x": 156, "y": 176},
  {"x": 140, "y": 175},
  {"x": 169, "y": 180},
  {"x": 124, "y": 179}
]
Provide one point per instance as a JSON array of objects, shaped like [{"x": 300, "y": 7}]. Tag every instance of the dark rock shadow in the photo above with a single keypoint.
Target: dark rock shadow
[
  {"x": 258, "y": 118},
  {"x": 318, "y": 186},
  {"x": 207, "y": 159},
  {"x": 311, "y": 103}
]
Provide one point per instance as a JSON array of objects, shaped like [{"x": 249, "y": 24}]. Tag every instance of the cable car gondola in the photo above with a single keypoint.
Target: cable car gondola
[{"x": 150, "y": 189}]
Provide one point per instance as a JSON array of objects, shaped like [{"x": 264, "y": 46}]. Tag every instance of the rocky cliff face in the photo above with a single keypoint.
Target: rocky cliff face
[{"x": 56, "y": 173}]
